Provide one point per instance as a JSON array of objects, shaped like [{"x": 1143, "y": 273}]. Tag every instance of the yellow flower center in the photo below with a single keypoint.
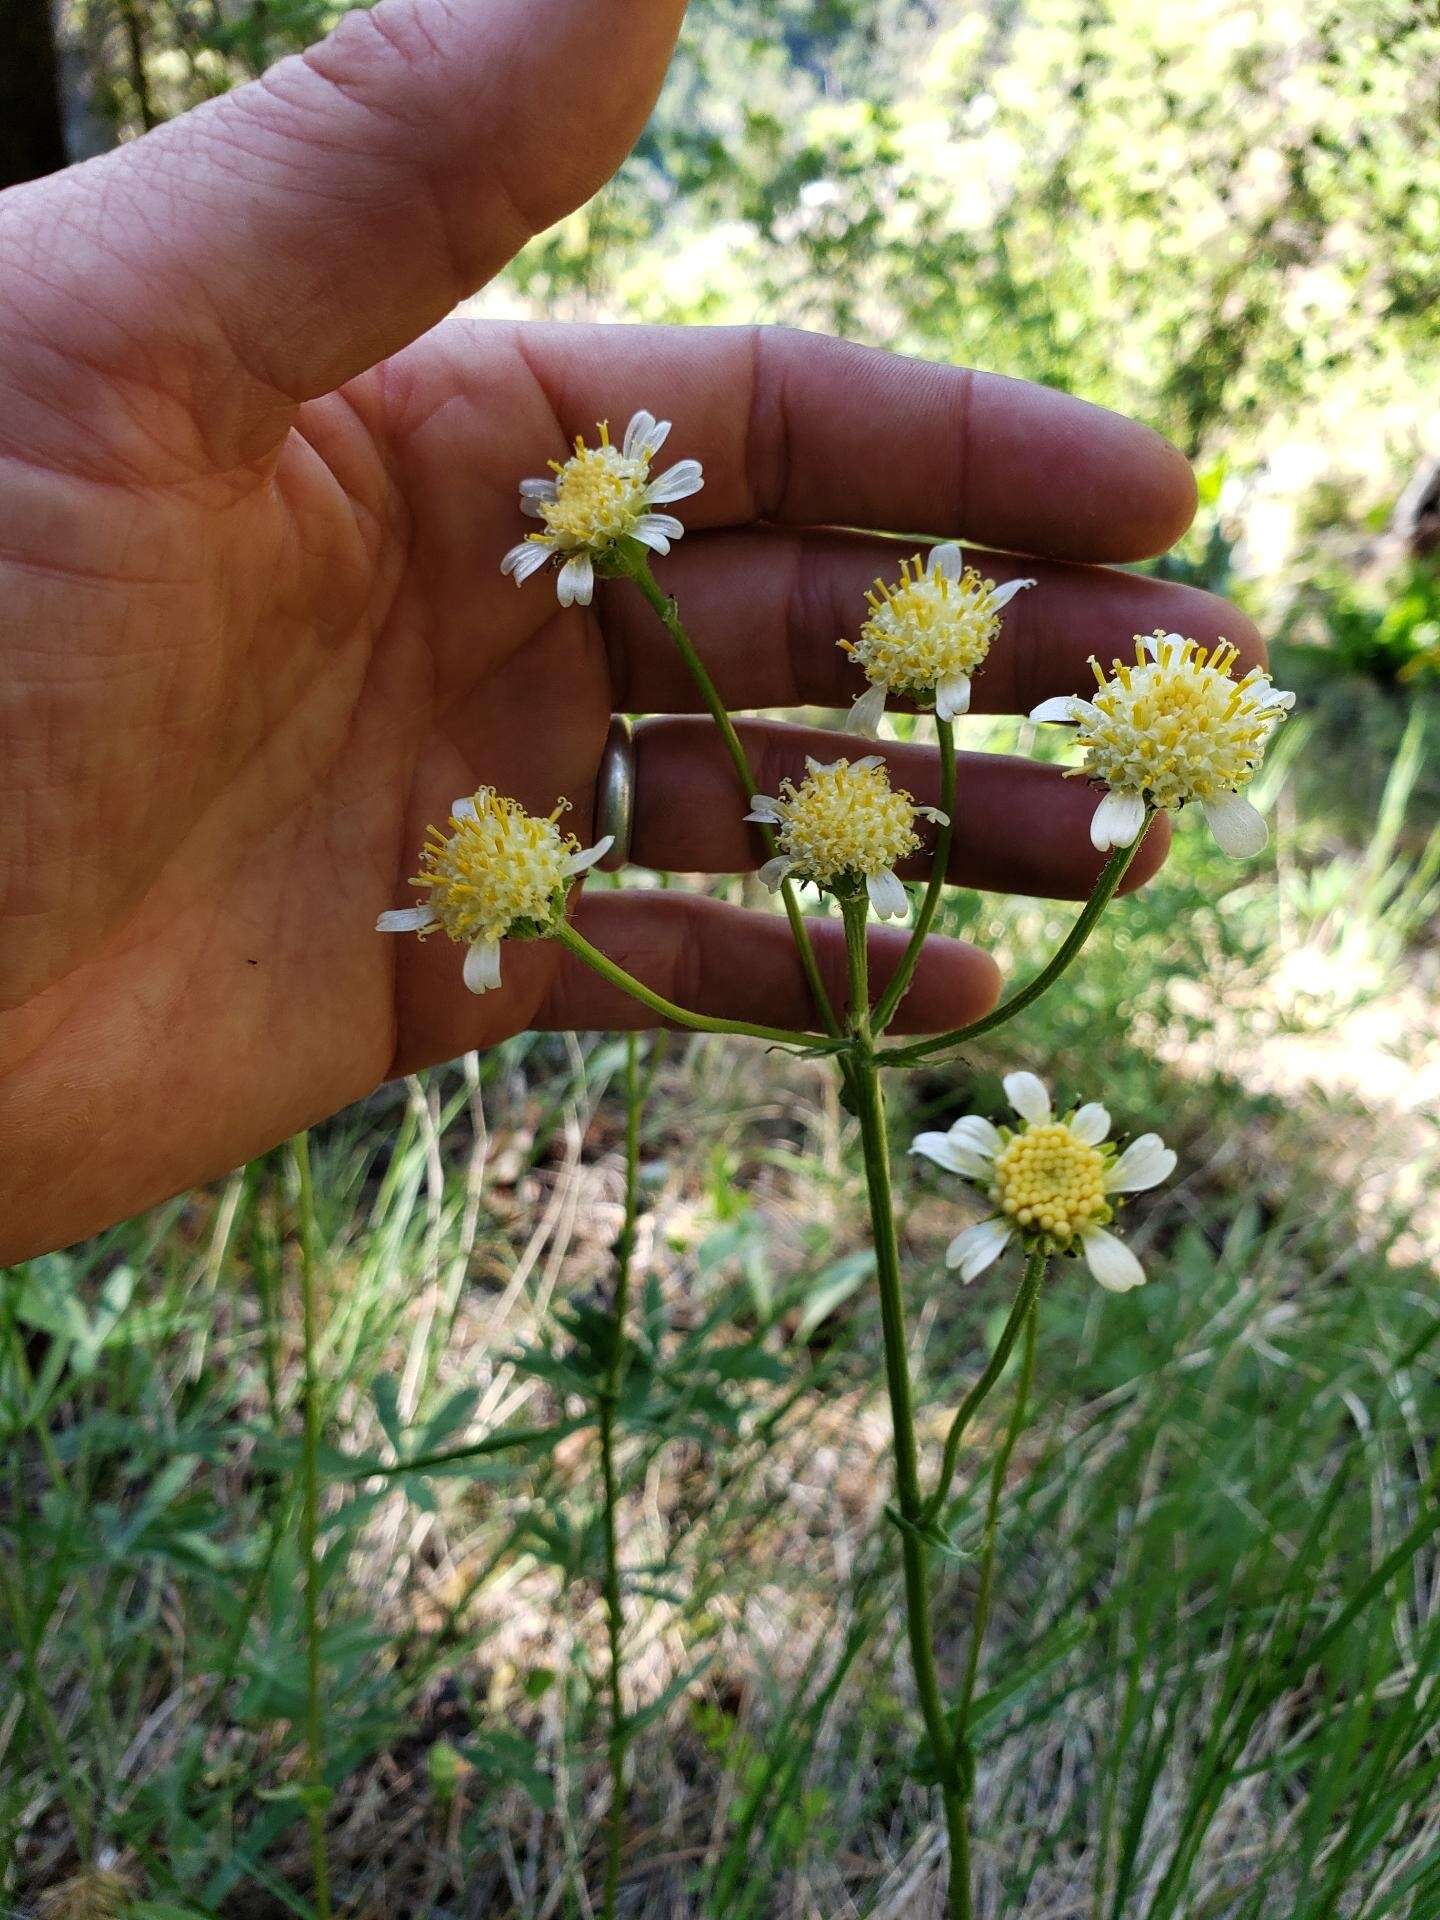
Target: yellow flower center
[
  {"x": 1050, "y": 1183},
  {"x": 845, "y": 820},
  {"x": 1178, "y": 727},
  {"x": 925, "y": 628},
  {"x": 599, "y": 495},
  {"x": 499, "y": 873}
]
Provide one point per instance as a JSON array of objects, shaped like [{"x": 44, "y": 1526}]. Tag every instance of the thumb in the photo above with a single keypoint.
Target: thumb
[{"x": 275, "y": 242}]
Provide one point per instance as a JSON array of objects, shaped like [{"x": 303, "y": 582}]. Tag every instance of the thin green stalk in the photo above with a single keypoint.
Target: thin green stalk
[
  {"x": 667, "y": 1009},
  {"x": 992, "y": 1518},
  {"x": 1111, "y": 875},
  {"x": 609, "y": 1401},
  {"x": 1024, "y": 1300},
  {"x": 669, "y": 615},
  {"x": 889, "y": 1001},
  {"x": 864, "y": 1085},
  {"x": 316, "y": 1792}
]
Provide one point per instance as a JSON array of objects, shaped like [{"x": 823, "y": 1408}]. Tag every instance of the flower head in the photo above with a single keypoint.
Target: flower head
[
  {"x": 843, "y": 827},
  {"x": 500, "y": 873},
  {"x": 927, "y": 635},
  {"x": 1175, "y": 726},
  {"x": 1053, "y": 1183},
  {"x": 599, "y": 497}
]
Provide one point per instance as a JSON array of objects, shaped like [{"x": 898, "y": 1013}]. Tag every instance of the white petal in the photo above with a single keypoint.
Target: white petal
[
  {"x": 1027, "y": 1095},
  {"x": 947, "y": 559},
  {"x": 1273, "y": 697},
  {"x": 644, "y": 436},
  {"x": 580, "y": 862},
  {"x": 867, "y": 713},
  {"x": 537, "y": 490},
  {"x": 524, "y": 559},
  {"x": 973, "y": 1130},
  {"x": 1116, "y": 821},
  {"x": 866, "y": 760},
  {"x": 482, "y": 966},
  {"x": 934, "y": 813},
  {"x": 952, "y": 696},
  {"x": 887, "y": 896},
  {"x": 775, "y": 871},
  {"x": 531, "y": 510},
  {"x": 1060, "y": 706},
  {"x": 405, "y": 920},
  {"x": 464, "y": 808},
  {"x": 650, "y": 536},
  {"x": 665, "y": 523},
  {"x": 676, "y": 483},
  {"x": 940, "y": 1148},
  {"x": 1002, "y": 596},
  {"x": 978, "y": 1247},
  {"x": 576, "y": 585},
  {"x": 1111, "y": 1261},
  {"x": 1237, "y": 825},
  {"x": 1144, "y": 1163},
  {"x": 1091, "y": 1124},
  {"x": 765, "y": 811}
]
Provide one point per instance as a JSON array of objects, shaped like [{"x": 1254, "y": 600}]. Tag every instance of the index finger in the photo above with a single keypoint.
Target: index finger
[{"x": 802, "y": 428}]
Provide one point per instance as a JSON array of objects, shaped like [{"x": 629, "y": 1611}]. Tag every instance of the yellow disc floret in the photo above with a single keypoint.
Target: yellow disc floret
[
  {"x": 498, "y": 871},
  {"x": 845, "y": 821},
  {"x": 599, "y": 495},
  {"x": 925, "y": 628},
  {"x": 1177, "y": 725},
  {"x": 1050, "y": 1183}
]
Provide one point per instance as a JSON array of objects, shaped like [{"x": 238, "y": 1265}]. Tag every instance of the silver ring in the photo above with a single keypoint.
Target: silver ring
[{"x": 615, "y": 792}]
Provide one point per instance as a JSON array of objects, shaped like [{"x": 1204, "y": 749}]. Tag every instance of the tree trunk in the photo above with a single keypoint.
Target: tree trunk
[{"x": 32, "y": 137}]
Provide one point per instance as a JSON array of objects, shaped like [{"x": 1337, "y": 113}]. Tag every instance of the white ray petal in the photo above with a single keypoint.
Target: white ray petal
[
  {"x": 464, "y": 808},
  {"x": 405, "y": 920},
  {"x": 525, "y": 558},
  {"x": 940, "y": 1148},
  {"x": 676, "y": 483},
  {"x": 947, "y": 559},
  {"x": 973, "y": 1130},
  {"x": 1002, "y": 596},
  {"x": 1144, "y": 1163},
  {"x": 775, "y": 871},
  {"x": 644, "y": 436},
  {"x": 1237, "y": 824},
  {"x": 537, "y": 489},
  {"x": 649, "y": 535},
  {"x": 1061, "y": 706},
  {"x": 665, "y": 523},
  {"x": 582, "y": 862},
  {"x": 978, "y": 1247},
  {"x": 1111, "y": 1261},
  {"x": 1091, "y": 1124},
  {"x": 575, "y": 586},
  {"x": 934, "y": 813},
  {"x": 765, "y": 811},
  {"x": 952, "y": 696},
  {"x": 868, "y": 711},
  {"x": 887, "y": 896},
  {"x": 482, "y": 965},
  {"x": 1116, "y": 821},
  {"x": 1028, "y": 1095}
]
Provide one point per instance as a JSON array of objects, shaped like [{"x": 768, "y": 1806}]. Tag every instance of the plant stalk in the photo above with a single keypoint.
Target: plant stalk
[
  {"x": 316, "y": 1791},
  {"x": 889, "y": 1001},
  {"x": 1111, "y": 875},
  {"x": 864, "y": 1085},
  {"x": 669, "y": 615},
  {"x": 618, "y": 1732}
]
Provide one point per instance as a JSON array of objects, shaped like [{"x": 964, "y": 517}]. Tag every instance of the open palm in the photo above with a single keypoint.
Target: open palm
[{"x": 253, "y": 634}]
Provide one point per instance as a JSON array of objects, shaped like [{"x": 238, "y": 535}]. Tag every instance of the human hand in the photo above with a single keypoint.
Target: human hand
[{"x": 253, "y": 634}]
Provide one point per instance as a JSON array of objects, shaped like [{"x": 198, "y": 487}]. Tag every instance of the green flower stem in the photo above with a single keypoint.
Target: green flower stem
[
  {"x": 1025, "y": 1300},
  {"x": 316, "y": 1791},
  {"x": 863, "y": 1084},
  {"x": 669, "y": 615},
  {"x": 618, "y": 1733},
  {"x": 992, "y": 1519},
  {"x": 1111, "y": 875},
  {"x": 889, "y": 1001},
  {"x": 577, "y": 944}
]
